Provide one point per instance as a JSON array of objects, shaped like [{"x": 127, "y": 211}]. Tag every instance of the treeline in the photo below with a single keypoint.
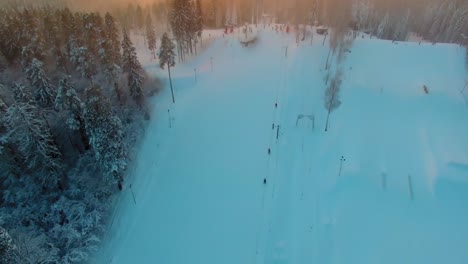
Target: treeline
[
  {"x": 186, "y": 20},
  {"x": 72, "y": 103},
  {"x": 433, "y": 20}
]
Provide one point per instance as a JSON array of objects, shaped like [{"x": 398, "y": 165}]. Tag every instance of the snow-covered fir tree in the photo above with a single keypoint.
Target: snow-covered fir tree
[
  {"x": 68, "y": 100},
  {"x": 21, "y": 93},
  {"x": 105, "y": 133},
  {"x": 110, "y": 53},
  {"x": 30, "y": 132},
  {"x": 44, "y": 93},
  {"x": 6, "y": 246},
  {"x": 132, "y": 67},
  {"x": 82, "y": 60},
  {"x": 151, "y": 36},
  {"x": 3, "y": 62}
]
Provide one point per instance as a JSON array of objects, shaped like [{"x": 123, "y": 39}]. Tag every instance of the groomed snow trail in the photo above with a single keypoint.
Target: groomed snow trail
[{"x": 402, "y": 194}]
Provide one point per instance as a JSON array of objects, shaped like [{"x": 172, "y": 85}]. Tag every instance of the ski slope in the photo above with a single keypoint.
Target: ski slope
[{"x": 401, "y": 197}]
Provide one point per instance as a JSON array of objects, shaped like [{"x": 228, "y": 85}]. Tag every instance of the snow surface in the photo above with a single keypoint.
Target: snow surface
[{"x": 198, "y": 184}]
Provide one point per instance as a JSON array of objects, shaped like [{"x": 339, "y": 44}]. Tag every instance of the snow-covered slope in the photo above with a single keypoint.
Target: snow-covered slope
[{"x": 402, "y": 196}]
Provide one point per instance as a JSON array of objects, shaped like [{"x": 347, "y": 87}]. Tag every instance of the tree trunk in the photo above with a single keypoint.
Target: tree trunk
[
  {"x": 170, "y": 82},
  {"x": 328, "y": 57},
  {"x": 117, "y": 92},
  {"x": 323, "y": 44},
  {"x": 83, "y": 135},
  {"x": 328, "y": 117}
]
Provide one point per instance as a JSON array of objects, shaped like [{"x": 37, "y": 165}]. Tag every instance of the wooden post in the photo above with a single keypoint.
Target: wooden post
[
  {"x": 277, "y": 132},
  {"x": 170, "y": 119},
  {"x": 410, "y": 186}
]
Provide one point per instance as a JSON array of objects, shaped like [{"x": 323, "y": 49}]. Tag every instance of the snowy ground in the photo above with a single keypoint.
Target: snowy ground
[{"x": 198, "y": 178}]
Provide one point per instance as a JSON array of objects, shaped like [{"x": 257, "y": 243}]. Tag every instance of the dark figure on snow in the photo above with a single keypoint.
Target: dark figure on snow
[
  {"x": 269, "y": 151},
  {"x": 119, "y": 185},
  {"x": 264, "y": 180},
  {"x": 276, "y": 105}
]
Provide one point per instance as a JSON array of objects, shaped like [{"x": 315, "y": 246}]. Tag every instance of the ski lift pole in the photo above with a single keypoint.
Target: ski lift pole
[
  {"x": 170, "y": 119},
  {"x": 341, "y": 164},
  {"x": 277, "y": 133}
]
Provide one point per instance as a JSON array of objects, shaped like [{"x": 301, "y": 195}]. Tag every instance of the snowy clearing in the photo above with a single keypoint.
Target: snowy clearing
[{"x": 198, "y": 180}]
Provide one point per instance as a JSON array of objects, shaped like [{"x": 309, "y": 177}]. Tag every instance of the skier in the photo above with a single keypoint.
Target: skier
[
  {"x": 276, "y": 104},
  {"x": 264, "y": 181},
  {"x": 119, "y": 185},
  {"x": 269, "y": 151}
]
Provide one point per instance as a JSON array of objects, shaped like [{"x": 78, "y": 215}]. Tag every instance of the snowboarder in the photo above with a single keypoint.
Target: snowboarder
[{"x": 264, "y": 181}]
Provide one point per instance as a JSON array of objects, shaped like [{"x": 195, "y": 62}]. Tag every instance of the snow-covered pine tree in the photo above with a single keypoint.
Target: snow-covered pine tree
[
  {"x": 21, "y": 93},
  {"x": 30, "y": 132},
  {"x": 68, "y": 100},
  {"x": 10, "y": 161},
  {"x": 81, "y": 58},
  {"x": 167, "y": 57},
  {"x": 45, "y": 93},
  {"x": 151, "y": 36},
  {"x": 92, "y": 32},
  {"x": 6, "y": 246},
  {"x": 105, "y": 133},
  {"x": 132, "y": 67},
  {"x": 31, "y": 38},
  {"x": 139, "y": 18},
  {"x": 3, "y": 62},
  {"x": 110, "y": 54}
]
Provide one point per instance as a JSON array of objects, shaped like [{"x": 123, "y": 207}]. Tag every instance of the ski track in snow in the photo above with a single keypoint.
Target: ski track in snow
[{"x": 198, "y": 177}]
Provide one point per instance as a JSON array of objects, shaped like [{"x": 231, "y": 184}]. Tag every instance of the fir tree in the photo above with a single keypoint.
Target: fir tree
[
  {"x": 6, "y": 246},
  {"x": 45, "y": 92},
  {"x": 3, "y": 62},
  {"x": 133, "y": 68},
  {"x": 68, "y": 100},
  {"x": 167, "y": 58},
  {"x": 151, "y": 36},
  {"x": 81, "y": 58},
  {"x": 105, "y": 133},
  {"x": 110, "y": 54},
  {"x": 22, "y": 94},
  {"x": 139, "y": 18},
  {"x": 30, "y": 132}
]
